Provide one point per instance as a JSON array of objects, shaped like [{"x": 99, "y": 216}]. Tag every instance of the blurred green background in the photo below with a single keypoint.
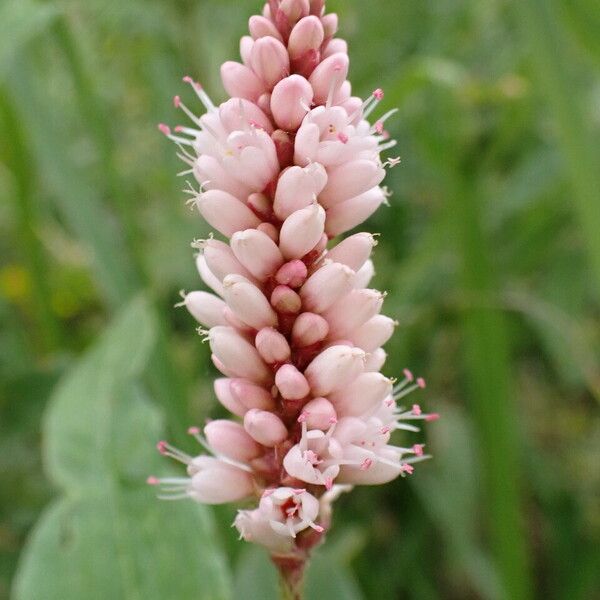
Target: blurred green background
[{"x": 490, "y": 250}]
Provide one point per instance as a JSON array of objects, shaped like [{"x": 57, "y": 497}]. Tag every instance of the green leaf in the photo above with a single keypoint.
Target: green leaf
[
  {"x": 108, "y": 536},
  {"x": 20, "y": 21}
]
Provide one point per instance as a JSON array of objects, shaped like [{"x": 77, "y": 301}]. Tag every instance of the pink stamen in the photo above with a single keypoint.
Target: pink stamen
[
  {"x": 406, "y": 468},
  {"x": 176, "y": 101},
  {"x": 319, "y": 529},
  {"x": 379, "y": 127},
  {"x": 328, "y": 483},
  {"x": 333, "y": 420},
  {"x": 152, "y": 480},
  {"x": 378, "y": 94},
  {"x": 385, "y": 429},
  {"x": 188, "y": 79},
  {"x": 343, "y": 137},
  {"x": 421, "y": 383},
  {"x": 432, "y": 417},
  {"x": 164, "y": 129},
  {"x": 193, "y": 430},
  {"x": 179, "y": 128},
  {"x": 162, "y": 447},
  {"x": 408, "y": 374},
  {"x": 418, "y": 449},
  {"x": 416, "y": 410},
  {"x": 303, "y": 416}
]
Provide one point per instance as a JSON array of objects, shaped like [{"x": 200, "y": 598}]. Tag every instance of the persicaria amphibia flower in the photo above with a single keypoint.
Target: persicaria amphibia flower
[{"x": 289, "y": 162}]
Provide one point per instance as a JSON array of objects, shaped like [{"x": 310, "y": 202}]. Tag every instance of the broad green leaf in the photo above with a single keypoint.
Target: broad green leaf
[{"x": 108, "y": 536}]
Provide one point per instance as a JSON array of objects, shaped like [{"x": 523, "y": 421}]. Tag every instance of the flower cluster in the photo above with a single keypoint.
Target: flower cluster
[{"x": 289, "y": 162}]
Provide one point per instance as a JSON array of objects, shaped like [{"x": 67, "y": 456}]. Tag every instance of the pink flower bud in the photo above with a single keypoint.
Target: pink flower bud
[
  {"x": 297, "y": 188},
  {"x": 248, "y": 302},
  {"x": 306, "y": 144},
  {"x": 270, "y": 230},
  {"x": 329, "y": 76},
  {"x": 292, "y": 385},
  {"x": 284, "y": 147},
  {"x": 309, "y": 329},
  {"x": 301, "y": 231},
  {"x": 250, "y": 395},
  {"x": 221, "y": 259},
  {"x": 264, "y": 103},
  {"x": 270, "y": 60},
  {"x": 353, "y": 310},
  {"x": 363, "y": 396},
  {"x": 330, "y": 24},
  {"x": 233, "y": 320},
  {"x": 285, "y": 300},
  {"x": 325, "y": 286},
  {"x": 236, "y": 113},
  {"x": 364, "y": 275},
  {"x": 354, "y": 251},
  {"x": 257, "y": 252},
  {"x": 316, "y": 7},
  {"x": 335, "y": 45},
  {"x": 261, "y": 27},
  {"x": 260, "y": 205},
  {"x": 334, "y": 368},
  {"x": 216, "y": 482},
  {"x": 240, "y": 81},
  {"x": 246, "y": 44},
  {"x": 347, "y": 215},
  {"x": 290, "y": 100},
  {"x": 292, "y": 274},
  {"x": 225, "y": 213},
  {"x": 306, "y": 35},
  {"x": 374, "y": 333},
  {"x": 265, "y": 427},
  {"x": 320, "y": 414},
  {"x": 231, "y": 439},
  {"x": 272, "y": 346},
  {"x": 294, "y": 9},
  {"x": 238, "y": 355},
  {"x": 209, "y": 172},
  {"x": 207, "y": 276},
  {"x": 206, "y": 308},
  {"x": 225, "y": 396},
  {"x": 375, "y": 360},
  {"x": 350, "y": 179}
]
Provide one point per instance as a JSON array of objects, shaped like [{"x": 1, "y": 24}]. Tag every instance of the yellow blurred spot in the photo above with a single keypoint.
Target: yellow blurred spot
[{"x": 15, "y": 282}]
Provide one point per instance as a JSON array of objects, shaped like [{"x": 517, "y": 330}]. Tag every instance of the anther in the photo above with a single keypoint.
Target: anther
[
  {"x": 164, "y": 129},
  {"x": 418, "y": 449},
  {"x": 378, "y": 94},
  {"x": 152, "y": 480},
  {"x": 343, "y": 137},
  {"x": 193, "y": 430},
  {"x": 416, "y": 410}
]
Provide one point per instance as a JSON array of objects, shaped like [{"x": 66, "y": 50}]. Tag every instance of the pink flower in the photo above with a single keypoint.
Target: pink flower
[
  {"x": 286, "y": 164},
  {"x": 282, "y": 513}
]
